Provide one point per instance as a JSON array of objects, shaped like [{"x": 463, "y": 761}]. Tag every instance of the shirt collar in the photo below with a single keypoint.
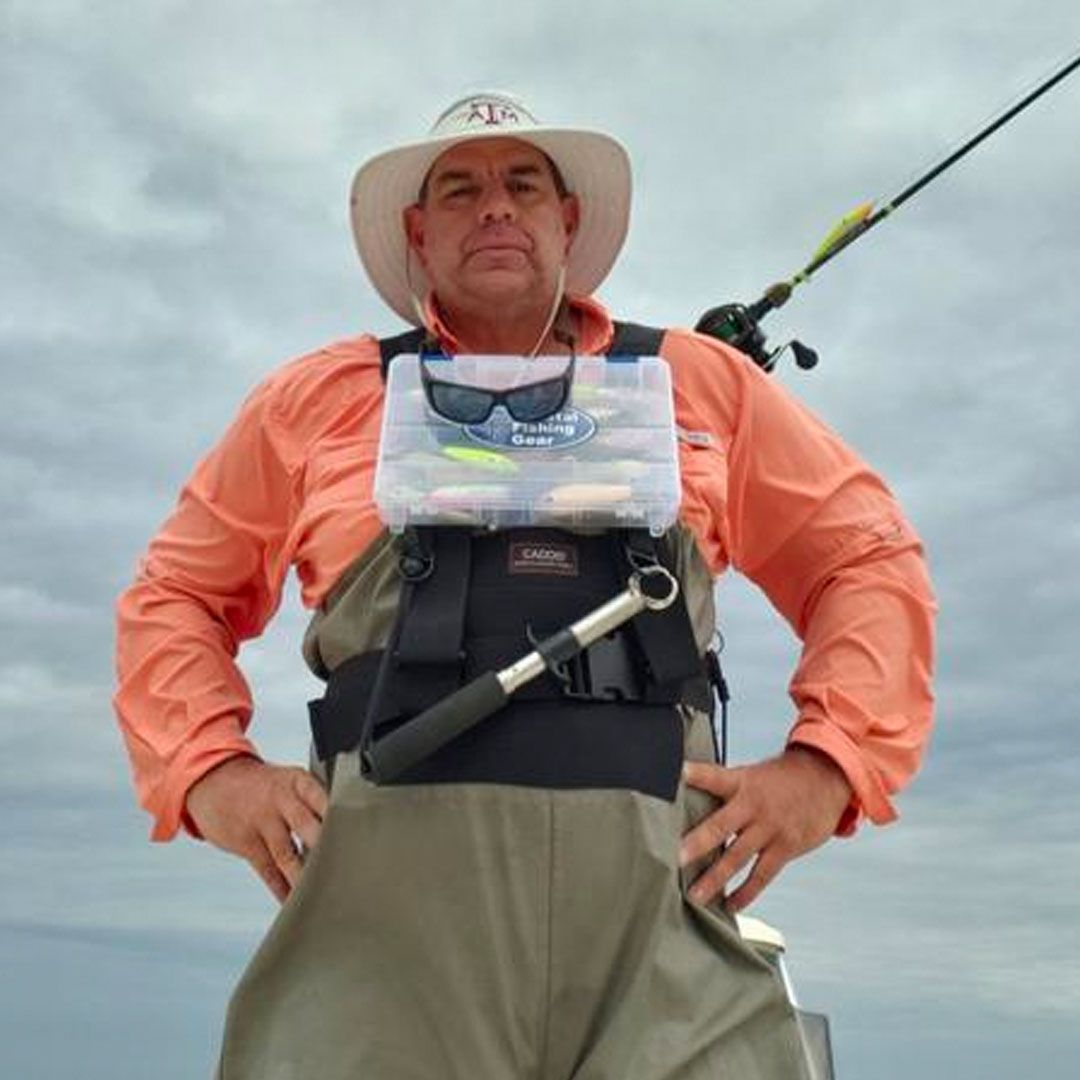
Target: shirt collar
[{"x": 595, "y": 329}]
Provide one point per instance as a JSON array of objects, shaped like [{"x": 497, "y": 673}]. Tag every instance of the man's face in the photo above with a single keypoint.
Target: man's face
[{"x": 492, "y": 231}]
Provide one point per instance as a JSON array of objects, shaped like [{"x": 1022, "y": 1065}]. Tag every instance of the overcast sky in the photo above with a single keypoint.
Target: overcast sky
[{"x": 173, "y": 200}]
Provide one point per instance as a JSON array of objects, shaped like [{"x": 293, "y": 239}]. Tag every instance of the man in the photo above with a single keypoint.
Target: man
[{"x": 505, "y": 912}]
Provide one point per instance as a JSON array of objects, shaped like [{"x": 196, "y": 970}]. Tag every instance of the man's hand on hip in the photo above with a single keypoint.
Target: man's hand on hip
[
  {"x": 255, "y": 810},
  {"x": 772, "y": 812}
]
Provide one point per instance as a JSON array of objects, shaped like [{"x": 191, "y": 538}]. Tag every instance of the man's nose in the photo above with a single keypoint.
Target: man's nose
[{"x": 497, "y": 204}]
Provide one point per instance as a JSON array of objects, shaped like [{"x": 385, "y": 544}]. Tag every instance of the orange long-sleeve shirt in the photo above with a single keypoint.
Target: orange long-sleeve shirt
[{"x": 766, "y": 488}]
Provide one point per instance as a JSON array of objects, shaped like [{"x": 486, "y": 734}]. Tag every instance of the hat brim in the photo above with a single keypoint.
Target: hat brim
[{"x": 595, "y": 167}]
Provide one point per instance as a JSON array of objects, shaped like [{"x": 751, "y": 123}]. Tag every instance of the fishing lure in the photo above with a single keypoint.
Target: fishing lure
[
  {"x": 739, "y": 324},
  {"x": 478, "y": 457}
]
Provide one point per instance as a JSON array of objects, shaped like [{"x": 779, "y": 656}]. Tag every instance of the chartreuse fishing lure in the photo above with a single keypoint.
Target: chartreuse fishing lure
[
  {"x": 479, "y": 458},
  {"x": 739, "y": 324}
]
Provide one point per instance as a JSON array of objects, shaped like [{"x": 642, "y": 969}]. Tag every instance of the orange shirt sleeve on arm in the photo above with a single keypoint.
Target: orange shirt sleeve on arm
[
  {"x": 822, "y": 535},
  {"x": 211, "y": 578}
]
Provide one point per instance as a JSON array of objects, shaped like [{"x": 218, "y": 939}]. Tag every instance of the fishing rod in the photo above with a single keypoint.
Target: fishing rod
[{"x": 739, "y": 324}]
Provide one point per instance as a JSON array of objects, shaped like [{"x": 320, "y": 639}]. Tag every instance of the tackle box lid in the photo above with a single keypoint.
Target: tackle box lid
[{"x": 607, "y": 459}]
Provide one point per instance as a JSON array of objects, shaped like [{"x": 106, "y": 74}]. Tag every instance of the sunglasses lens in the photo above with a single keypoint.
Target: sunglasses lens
[
  {"x": 538, "y": 401},
  {"x": 462, "y": 404}
]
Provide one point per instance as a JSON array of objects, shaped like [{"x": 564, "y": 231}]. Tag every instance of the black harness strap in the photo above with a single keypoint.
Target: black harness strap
[
  {"x": 406, "y": 343},
  {"x": 423, "y": 660},
  {"x": 635, "y": 339},
  {"x": 629, "y": 339},
  {"x": 435, "y": 627},
  {"x": 666, "y": 637},
  {"x": 337, "y": 723}
]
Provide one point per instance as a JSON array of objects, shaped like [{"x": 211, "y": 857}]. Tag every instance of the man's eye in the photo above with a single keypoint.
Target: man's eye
[
  {"x": 461, "y": 191},
  {"x": 520, "y": 185}
]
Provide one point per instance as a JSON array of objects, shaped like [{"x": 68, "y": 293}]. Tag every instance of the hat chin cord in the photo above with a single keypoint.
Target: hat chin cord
[
  {"x": 418, "y": 307},
  {"x": 556, "y": 304}
]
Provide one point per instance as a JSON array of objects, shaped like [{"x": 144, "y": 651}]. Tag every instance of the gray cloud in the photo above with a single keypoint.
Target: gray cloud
[{"x": 174, "y": 221}]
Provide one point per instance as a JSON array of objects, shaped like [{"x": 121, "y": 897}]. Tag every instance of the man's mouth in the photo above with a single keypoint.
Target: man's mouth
[{"x": 498, "y": 242}]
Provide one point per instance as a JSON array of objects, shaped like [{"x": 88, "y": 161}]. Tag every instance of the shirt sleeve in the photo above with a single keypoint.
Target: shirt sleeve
[
  {"x": 825, "y": 539},
  {"x": 211, "y": 578}
]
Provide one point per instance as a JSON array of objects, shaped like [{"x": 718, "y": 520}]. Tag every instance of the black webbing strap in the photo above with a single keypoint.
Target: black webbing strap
[
  {"x": 629, "y": 339},
  {"x": 635, "y": 339},
  {"x": 337, "y": 718},
  {"x": 434, "y": 624},
  {"x": 423, "y": 659},
  {"x": 666, "y": 637},
  {"x": 406, "y": 343}
]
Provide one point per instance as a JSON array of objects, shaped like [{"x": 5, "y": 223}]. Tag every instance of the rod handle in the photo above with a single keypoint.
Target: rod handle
[{"x": 387, "y": 758}]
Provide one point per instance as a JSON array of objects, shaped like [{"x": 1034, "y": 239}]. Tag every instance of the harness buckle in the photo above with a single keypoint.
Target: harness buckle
[
  {"x": 416, "y": 561},
  {"x": 605, "y": 671},
  {"x": 641, "y": 559}
]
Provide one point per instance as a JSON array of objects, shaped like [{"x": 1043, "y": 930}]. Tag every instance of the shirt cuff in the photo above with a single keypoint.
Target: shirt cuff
[
  {"x": 171, "y": 815},
  {"x": 869, "y": 796}
]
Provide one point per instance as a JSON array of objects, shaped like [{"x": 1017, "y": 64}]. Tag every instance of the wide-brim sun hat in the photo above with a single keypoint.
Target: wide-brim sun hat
[{"x": 594, "y": 165}]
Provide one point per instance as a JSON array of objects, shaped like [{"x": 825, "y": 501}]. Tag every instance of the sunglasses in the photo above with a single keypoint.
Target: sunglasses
[{"x": 465, "y": 404}]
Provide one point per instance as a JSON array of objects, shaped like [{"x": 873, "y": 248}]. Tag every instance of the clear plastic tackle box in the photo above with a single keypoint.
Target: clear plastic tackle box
[{"x": 608, "y": 458}]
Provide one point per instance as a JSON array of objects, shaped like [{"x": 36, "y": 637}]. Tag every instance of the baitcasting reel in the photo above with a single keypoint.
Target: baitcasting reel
[{"x": 739, "y": 326}]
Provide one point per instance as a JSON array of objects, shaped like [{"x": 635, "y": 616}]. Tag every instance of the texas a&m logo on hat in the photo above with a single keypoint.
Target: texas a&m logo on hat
[{"x": 485, "y": 111}]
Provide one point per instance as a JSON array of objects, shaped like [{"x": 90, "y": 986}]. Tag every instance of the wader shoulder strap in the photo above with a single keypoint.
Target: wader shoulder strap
[
  {"x": 434, "y": 603},
  {"x": 422, "y": 661},
  {"x": 407, "y": 342},
  {"x": 666, "y": 637},
  {"x": 635, "y": 339},
  {"x": 629, "y": 339}
]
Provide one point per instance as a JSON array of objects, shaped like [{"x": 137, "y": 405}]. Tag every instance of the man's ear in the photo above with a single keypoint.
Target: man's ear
[
  {"x": 571, "y": 214},
  {"x": 412, "y": 220}
]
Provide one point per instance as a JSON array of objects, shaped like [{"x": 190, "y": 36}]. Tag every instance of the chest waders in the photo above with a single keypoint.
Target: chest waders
[{"x": 510, "y": 907}]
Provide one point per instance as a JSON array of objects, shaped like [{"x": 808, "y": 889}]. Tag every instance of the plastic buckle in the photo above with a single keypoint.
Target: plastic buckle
[
  {"x": 415, "y": 562},
  {"x": 604, "y": 672},
  {"x": 639, "y": 559}
]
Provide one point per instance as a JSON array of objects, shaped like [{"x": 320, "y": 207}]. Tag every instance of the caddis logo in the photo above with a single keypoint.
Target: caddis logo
[
  {"x": 528, "y": 557},
  {"x": 570, "y": 427}
]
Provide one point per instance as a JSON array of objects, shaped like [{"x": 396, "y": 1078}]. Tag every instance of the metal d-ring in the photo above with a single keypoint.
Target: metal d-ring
[{"x": 654, "y": 603}]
